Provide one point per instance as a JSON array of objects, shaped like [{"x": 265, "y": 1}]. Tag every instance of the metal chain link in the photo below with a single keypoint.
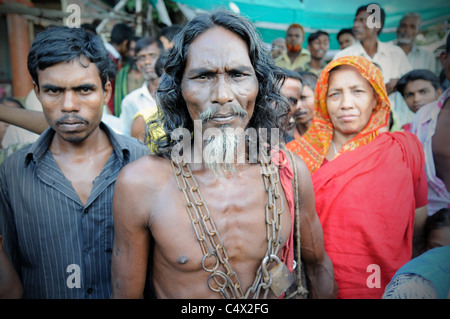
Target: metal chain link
[{"x": 223, "y": 279}]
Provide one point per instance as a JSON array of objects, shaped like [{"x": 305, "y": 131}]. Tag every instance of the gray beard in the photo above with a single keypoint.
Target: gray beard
[
  {"x": 220, "y": 152},
  {"x": 404, "y": 40}
]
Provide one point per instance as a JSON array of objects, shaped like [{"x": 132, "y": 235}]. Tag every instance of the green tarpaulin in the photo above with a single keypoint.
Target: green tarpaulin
[{"x": 273, "y": 16}]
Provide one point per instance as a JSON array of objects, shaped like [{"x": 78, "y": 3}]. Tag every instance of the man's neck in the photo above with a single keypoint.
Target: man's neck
[
  {"x": 293, "y": 55},
  {"x": 406, "y": 47},
  {"x": 302, "y": 128},
  {"x": 152, "y": 85},
  {"x": 315, "y": 64},
  {"x": 370, "y": 45},
  {"x": 93, "y": 143}
]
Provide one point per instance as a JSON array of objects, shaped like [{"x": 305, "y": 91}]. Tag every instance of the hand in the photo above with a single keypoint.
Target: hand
[{"x": 390, "y": 86}]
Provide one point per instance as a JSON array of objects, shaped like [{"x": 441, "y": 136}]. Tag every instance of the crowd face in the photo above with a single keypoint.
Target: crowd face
[
  {"x": 320, "y": 46},
  {"x": 146, "y": 60},
  {"x": 278, "y": 47},
  {"x": 345, "y": 40},
  {"x": 408, "y": 30},
  {"x": 361, "y": 29},
  {"x": 350, "y": 100},
  {"x": 417, "y": 93},
  {"x": 306, "y": 111},
  {"x": 294, "y": 39},
  {"x": 72, "y": 98},
  {"x": 219, "y": 76},
  {"x": 291, "y": 90}
]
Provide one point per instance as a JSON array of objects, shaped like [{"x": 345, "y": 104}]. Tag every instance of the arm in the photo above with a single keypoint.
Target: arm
[
  {"x": 10, "y": 284},
  {"x": 319, "y": 268},
  {"x": 131, "y": 235},
  {"x": 33, "y": 121},
  {"x": 138, "y": 127},
  {"x": 420, "y": 217}
]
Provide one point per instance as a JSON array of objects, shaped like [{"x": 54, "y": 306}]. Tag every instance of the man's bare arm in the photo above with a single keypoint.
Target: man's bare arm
[
  {"x": 420, "y": 217},
  {"x": 131, "y": 235},
  {"x": 319, "y": 268},
  {"x": 33, "y": 121}
]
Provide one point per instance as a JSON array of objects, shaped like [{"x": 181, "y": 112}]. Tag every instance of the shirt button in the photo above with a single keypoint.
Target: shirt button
[{"x": 89, "y": 290}]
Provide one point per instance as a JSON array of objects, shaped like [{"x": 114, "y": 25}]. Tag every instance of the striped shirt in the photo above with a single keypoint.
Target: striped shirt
[{"x": 60, "y": 247}]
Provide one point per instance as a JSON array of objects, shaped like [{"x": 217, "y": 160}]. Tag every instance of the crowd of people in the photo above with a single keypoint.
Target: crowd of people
[{"x": 126, "y": 179}]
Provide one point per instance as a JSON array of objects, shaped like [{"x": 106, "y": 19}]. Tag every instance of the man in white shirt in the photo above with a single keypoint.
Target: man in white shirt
[
  {"x": 390, "y": 58},
  {"x": 147, "y": 50},
  {"x": 407, "y": 31}
]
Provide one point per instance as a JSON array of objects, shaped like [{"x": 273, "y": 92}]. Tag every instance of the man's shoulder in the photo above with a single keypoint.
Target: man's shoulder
[
  {"x": 15, "y": 162},
  {"x": 351, "y": 50},
  {"x": 136, "y": 148},
  {"x": 392, "y": 49},
  {"x": 133, "y": 95},
  {"x": 150, "y": 171}
]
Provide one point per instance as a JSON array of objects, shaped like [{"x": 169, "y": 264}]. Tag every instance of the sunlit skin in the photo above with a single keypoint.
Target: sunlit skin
[
  {"x": 419, "y": 92},
  {"x": 350, "y": 101},
  {"x": 72, "y": 98}
]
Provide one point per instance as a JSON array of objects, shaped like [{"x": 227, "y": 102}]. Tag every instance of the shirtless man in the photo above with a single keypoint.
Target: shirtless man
[
  {"x": 56, "y": 194},
  {"x": 225, "y": 80}
]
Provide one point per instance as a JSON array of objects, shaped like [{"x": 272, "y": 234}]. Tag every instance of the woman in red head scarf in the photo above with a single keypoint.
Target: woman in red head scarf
[{"x": 369, "y": 187}]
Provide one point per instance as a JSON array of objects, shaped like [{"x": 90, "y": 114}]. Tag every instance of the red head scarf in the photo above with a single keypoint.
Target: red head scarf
[{"x": 313, "y": 146}]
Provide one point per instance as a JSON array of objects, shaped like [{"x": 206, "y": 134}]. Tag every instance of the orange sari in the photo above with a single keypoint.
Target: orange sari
[
  {"x": 313, "y": 146},
  {"x": 367, "y": 195}
]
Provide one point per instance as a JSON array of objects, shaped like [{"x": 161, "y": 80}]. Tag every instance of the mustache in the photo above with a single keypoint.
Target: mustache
[
  {"x": 71, "y": 118},
  {"x": 212, "y": 112}
]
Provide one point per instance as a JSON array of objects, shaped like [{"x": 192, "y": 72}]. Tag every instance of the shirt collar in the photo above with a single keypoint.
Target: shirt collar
[{"x": 40, "y": 147}]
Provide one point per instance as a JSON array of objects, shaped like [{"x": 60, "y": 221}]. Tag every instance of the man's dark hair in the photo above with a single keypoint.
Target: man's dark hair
[
  {"x": 121, "y": 32},
  {"x": 169, "y": 32},
  {"x": 344, "y": 31},
  {"x": 438, "y": 220},
  {"x": 63, "y": 44},
  {"x": 145, "y": 42},
  {"x": 313, "y": 36},
  {"x": 418, "y": 74},
  {"x": 309, "y": 79},
  {"x": 292, "y": 74},
  {"x": 382, "y": 14},
  {"x": 271, "y": 107}
]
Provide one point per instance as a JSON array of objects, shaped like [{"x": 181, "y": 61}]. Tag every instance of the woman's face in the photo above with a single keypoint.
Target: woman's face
[{"x": 350, "y": 100}]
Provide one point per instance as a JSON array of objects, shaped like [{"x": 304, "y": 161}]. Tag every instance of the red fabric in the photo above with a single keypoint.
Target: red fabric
[
  {"x": 365, "y": 200},
  {"x": 286, "y": 176}
]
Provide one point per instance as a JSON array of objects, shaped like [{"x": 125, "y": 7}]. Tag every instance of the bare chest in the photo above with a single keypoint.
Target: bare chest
[{"x": 234, "y": 221}]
